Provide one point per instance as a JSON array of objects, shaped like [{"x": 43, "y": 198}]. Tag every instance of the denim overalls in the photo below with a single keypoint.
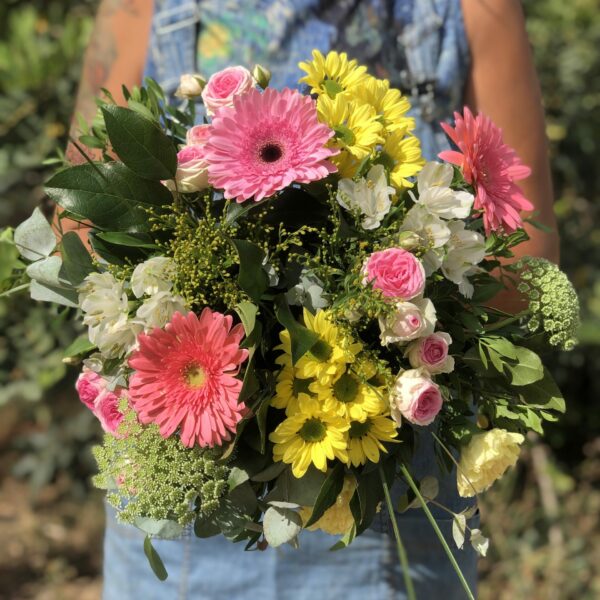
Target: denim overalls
[{"x": 420, "y": 46}]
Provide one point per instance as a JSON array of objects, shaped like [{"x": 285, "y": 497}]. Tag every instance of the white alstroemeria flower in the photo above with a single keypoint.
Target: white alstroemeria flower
[
  {"x": 370, "y": 196},
  {"x": 115, "y": 338},
  {"x": 153, "y": 276},
  {"x": 465, "y": 250},
  {"x": 434, "y": 232},
  {"x": 102, "y": 298},
  {"x": 411, "y": 320},
  {"x": 158, "y": 310},
  {"x": 436, "y": 195}
]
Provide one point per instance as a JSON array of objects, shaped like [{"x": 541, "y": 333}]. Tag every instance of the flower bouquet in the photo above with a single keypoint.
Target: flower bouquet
[{"x": 277, "y": 300}]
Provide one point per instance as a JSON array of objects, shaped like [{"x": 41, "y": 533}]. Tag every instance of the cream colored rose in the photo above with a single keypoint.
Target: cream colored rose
[
  {"x": 190, "y": 86},
  {"x": 485, "y": 458}
]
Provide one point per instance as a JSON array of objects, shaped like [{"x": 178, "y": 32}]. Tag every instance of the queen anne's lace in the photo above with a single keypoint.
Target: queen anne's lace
[{"x": 553, "y": 301}]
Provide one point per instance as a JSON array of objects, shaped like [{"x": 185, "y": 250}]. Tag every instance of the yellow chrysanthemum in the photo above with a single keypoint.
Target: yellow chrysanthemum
[
  {"x": 327, "y": 360},
  {"x": 290, "y": 389},
  {"x": 349, "y": 397},
  {"x": 389, "y": 103},
  {"x": 347, "y": 164},
  {"x": 365, "y": 439},
  {"x": 357, "y": 127},
  {"x": 311, "y": 436},
  {"x": 338, "y": 518},
  {"x": 331, "y": 74},
  {"x": 404, "y": 154}
]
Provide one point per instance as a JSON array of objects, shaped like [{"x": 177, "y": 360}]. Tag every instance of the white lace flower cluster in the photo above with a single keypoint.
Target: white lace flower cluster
[{"x": 108, "y": 310}]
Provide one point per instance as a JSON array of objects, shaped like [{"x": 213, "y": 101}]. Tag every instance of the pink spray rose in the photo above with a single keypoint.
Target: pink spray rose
[
  {"x": 192, "y": 174},
  {"x": 431, "y": 353},
  {"x": 223, "y": 86},
  {"x": 410, "y": 321},
  {"x": 396, "y": 272},
  {"x": 415, "y": 397},
  {"x": 106, "y": 408},
  {"x": 88, "y": 386},
  {"x": 197, "y": 135}
]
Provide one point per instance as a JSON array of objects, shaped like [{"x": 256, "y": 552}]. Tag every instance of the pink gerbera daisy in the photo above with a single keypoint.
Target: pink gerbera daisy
[
  {"x": 265, "y": 142},
  {"x": 185, "y": 378},
  {"x": 492, "y": 167}
]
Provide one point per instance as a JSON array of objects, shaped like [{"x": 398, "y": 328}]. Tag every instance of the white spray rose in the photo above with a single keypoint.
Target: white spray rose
[
  {"x": 411, "y": 320},
  {"x": 153, "y": 276},
  {"x": 369, "y": 196},
  {"x": 158, "y": 310},
  {"x": 465, "y": 250}
]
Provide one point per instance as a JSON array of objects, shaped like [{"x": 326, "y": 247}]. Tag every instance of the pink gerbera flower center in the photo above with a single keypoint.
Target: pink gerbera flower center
[
  {"x": 270, "y": 152},
  {"x": 194, "y": 375}
]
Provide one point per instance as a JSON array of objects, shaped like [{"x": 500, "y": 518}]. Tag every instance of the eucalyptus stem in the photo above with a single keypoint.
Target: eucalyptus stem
[
  {"x": 410, "y": 590},
  {"x": 437, "y": 530}
]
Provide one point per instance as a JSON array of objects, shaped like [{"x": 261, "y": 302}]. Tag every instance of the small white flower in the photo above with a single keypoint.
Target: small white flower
[
  {"x": 115, "y": 338},
  {"x": 102, "y": 298},
  {"x": 369, "y": 196},
  {"x": 158, "y": 310},
  {"x": 465, "y": 250},
  {"x": 436, "y": 195},
  {"x": 411, "y": 320},
  {"x": 434, "y": 232},
  {"x": 153, "y": 276}
]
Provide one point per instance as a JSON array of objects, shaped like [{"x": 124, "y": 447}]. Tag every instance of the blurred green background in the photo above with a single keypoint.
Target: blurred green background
[{"x": 544, "y": 517}]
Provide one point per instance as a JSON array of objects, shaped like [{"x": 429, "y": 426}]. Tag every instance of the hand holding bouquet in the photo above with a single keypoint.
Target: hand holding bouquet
[{"x": 278, "y": 299}]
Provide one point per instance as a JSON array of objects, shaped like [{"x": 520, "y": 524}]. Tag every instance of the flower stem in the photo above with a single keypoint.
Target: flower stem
[
  {"x": 504, "y": 322},
  {"x": 437, "y": 530},
  {"x": 410, "y": 590}
]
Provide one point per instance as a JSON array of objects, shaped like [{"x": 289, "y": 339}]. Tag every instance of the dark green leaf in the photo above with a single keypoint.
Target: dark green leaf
[
  {"x": 544, "y": 394},
  {"x": 302, "y": 339},
  {"x": 328, "y": 495},
  {"x": 77, "y": 262},
  {"x": 140, "y": 143},
  {"x": 252, "y": 277},
  {"x": 154, "y": 559},
  {"x": 109, "y": 195},
  {"x": 133, "y": 240}
]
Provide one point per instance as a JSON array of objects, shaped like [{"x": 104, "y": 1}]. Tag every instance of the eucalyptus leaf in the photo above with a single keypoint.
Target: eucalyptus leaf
[
  {"x": 479, "y": 542},
  {"x": 160, "y": 528},
  {"x": 46, "y": 271},
  {"x": 281, "y": 525},
  {"x": 55, "y": 295},
  {"x": 237, "y": 476},
  {"x": 459, "y": 528},
  {"x": 140, "y": 143},
  {"x": 34, "y": 237},
  {"x": 154, "y": 559}
]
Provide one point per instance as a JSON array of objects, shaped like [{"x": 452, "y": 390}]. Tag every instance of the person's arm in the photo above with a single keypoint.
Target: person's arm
[
  {"x": 115, "y": 56},
  {"x": 503, "y": 85}
]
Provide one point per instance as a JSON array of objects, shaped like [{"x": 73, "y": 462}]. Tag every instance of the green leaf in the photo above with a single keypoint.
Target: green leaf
[
  {"x": 302, "y": 339},
  {"x": 133, "y": 240},
  {"x": 154, "y": 559},
  {"x": 281, "y": 525},
  {"x": 544, "y": 394},
  {"x": 252, "y": 277},
  {"x": 47, "y": 285},
  {"x": 247, "y": 312},
  {"x": 34, "y": 237},
  {"x": 501, "y": 345},
  {"x": 79, "y": 346},
  {"x": 303, "y": 491},
  {"x": 528, "y": 368},
  {"x": 270, "y": 473},
  {"x": 370, "y": 493},
  {"x": 237, "y": 476},
  {"x": 140, "y": 143},
  {"x": 328, "y": 495},
  {"x": 77, "y": 262},
  {"x": 160, "y": 528},
  {"x": 346, "y": 540},
  {"x": 109, "y": 195},
  {"x": 9, "y": 255}
]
